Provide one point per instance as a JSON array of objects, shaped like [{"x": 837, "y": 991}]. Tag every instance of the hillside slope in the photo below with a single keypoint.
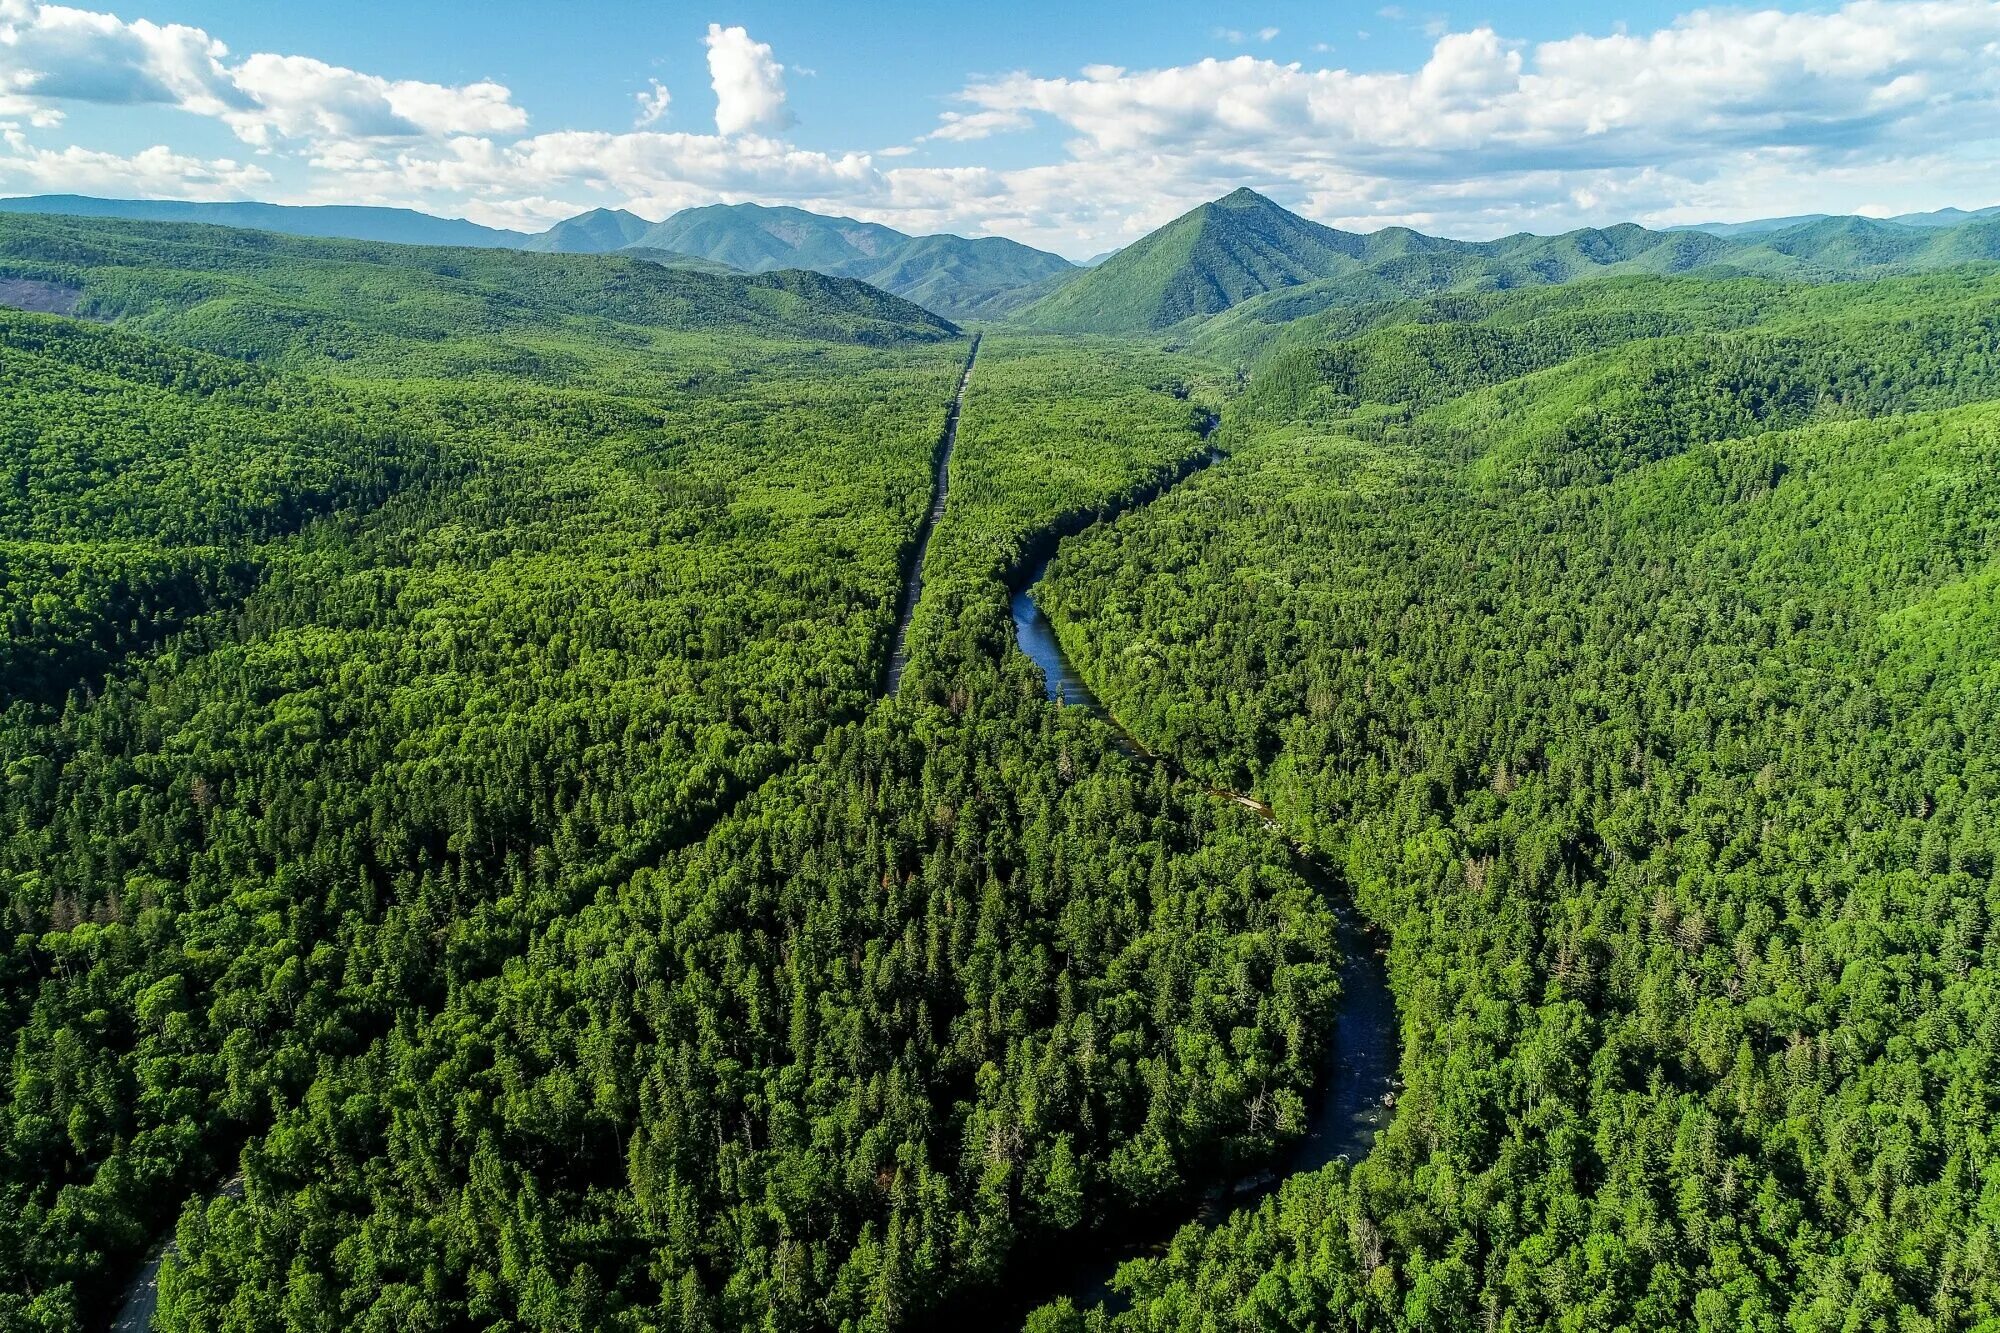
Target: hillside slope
[
  {"x": 1234, "y": 270},
  {"x": 955, "y": 276},
  {"x": 391, "y": 307},
  {"x": 402, "y": 226},
  {"x": 1640, "y": 681},
  {"x": 1200, "y": 263}
]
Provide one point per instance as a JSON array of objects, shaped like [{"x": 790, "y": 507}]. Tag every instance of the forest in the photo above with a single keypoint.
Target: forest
[
  {"x": 462, "y": 869},
  {"x": 1646, "y": 700}
]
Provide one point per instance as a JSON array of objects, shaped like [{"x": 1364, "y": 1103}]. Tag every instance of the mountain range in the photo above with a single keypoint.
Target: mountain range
[
  {"x": 1943, "y": 217},
  {"x": 402, "y": 226},
  {"x": 953, "y": 276},
  {"x": 1253, "y": 263},
  {"x": 1241, "y": 265}
]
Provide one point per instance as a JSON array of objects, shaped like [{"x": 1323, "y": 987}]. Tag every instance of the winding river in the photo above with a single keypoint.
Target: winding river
[
  {"x": 1359, "y": 1079},
  {"x": 1359, "y": 1076}
]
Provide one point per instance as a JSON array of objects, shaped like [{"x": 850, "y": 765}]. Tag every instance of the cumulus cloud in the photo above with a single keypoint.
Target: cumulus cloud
[
  {"x": 1719, "y": 113},
  {"x": 964, "y": 126},
  {"x": 51, "y": 54},
  {"x": 653, "y": 104},
  {"x": 1714, "y": 80},
  {"x": 1487, "y": 132},
  {"x": 749, "y": 82},
  {"x": 299, "y": 97},
  {"x": 155, "y": 171}
]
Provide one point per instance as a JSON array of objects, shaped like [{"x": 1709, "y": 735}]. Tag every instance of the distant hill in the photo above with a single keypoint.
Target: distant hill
[
  {"x": 755, "y": 238},
  {"x": 952, "y": 275},
  {"x": 401, "y": 226},
  {"x": 1943, "y": 217},
  {"x": 594, "y": 232},
  {"x": 1244, "y": 266},
  {"x": 369, "y": 304}
]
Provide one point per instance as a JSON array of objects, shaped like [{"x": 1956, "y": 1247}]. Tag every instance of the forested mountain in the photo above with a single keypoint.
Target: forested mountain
[
  {"x": 403, "y": 226},
  {"x": 1241, "y": 254},
  {"x": 957, "y": 277},
  {"x": 599, "y": 230},
  {"x": 1264, "y": 266},
  {"x": 1198, "y": 264}
]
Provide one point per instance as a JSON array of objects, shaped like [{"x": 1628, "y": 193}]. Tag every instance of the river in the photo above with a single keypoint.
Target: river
[
  {"x": 913, "y": 573},
  {"x": 1355, "y": 1093},
  {"x": 1353, "y": 1097}
]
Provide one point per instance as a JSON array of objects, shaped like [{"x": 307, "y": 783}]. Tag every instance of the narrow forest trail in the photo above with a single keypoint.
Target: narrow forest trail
[
  {"x": 913, "y": 577},
  {"x": 142, "y": 1296},
  {"x": 1359, "y": 1078}
]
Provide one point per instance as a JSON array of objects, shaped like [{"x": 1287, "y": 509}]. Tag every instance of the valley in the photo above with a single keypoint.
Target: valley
[{"x": 1289, "y": 779}]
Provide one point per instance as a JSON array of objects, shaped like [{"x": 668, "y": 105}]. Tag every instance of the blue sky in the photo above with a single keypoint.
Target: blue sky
[{"x": 1072, "y": 126}]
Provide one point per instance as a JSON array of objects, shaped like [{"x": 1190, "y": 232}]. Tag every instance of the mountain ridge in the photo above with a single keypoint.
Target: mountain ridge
[
  {"x": 353, "y": 222},
  {"x": 1248, "y": 259},
  {"x": 1242, "y": 254}
]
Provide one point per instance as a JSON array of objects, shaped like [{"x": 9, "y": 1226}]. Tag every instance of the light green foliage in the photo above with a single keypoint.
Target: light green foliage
[{"x": 1233, "y": 274}]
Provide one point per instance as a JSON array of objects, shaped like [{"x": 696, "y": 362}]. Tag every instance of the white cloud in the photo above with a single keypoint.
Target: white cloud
[
  {"x": 1874, "y": 79},
  {"x": 749, "y": 83},
  {"x": 51, "y": 53},
  {"x": 1723, "y": 113},
  {"x": 154, "y": 172},
  {"x": 653, "y": 104},
  {"x": 964, "y": 126},
  {"x": 299, "y": 97}
]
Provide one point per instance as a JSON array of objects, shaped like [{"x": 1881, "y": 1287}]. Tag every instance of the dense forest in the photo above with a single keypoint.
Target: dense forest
[
  {"x": 966, "y": 978},
  {"x": 1646, "y": 696},
  {"x": 462, "y": 868},
  {"x": 458, "y": 803}
]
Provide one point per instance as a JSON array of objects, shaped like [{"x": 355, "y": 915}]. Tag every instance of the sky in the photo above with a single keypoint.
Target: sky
[{"x": 1076, "y": 126}]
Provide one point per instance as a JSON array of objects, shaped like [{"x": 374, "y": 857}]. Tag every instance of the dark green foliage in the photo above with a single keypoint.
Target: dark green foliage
[
  {"x": 1664, "y": 748},
  {"x": 968, "y": 978}
]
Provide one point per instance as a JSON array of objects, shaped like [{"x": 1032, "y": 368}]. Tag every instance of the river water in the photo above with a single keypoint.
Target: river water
[
  {"x": 1360, "y": 1073},
  {"x": 913, "y": 575},
  {"x": 1353, "y": 1096}
]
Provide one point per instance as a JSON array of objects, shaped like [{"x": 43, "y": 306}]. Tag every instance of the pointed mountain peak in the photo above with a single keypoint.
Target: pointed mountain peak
[
  {"x": 1244, "y": 197},
  {"x": 608, "y": 215}
]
